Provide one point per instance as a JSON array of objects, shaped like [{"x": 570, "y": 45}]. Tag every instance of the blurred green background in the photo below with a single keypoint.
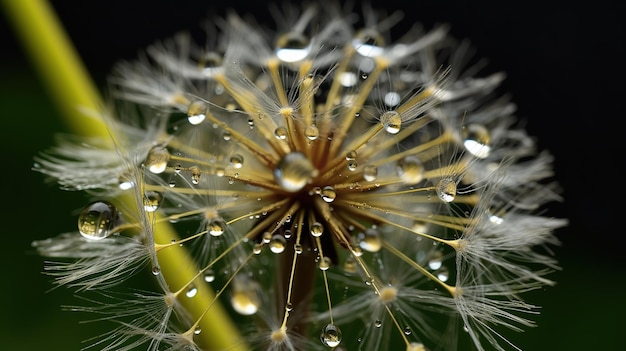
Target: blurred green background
[{"x": 565, "y": 70}]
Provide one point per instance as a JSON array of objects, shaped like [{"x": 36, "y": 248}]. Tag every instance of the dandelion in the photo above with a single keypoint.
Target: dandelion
[{"x": 329, "y": 188}]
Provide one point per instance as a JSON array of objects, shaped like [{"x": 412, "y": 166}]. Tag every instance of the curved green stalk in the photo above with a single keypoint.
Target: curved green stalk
[{"x": 70, "y": 85}]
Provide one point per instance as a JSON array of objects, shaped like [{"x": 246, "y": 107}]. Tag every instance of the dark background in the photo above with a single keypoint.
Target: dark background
[{"x": 565, "y": 69}]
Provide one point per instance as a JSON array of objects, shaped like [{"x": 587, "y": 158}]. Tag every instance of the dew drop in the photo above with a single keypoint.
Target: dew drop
[
  {"x": 391, "y": 121},
  {"x": 292, "y": 47},
  {"x": 325, "y": 263},
  {"x": 443, "y": 274},
  {"x": 407, "y": 331},
  {"x": 331, "y": 335},
  {"x": 209, "y": 275},
  {"x": 256, "y": 249},
  {"x": 410, "y": 169},
  {"x": 294, "y": 172},
  {"x": 278, "y": 244},
  {"x": 152, "y": 201},
  {"x": 236, "y": 161},
  {"x": 196, "y": 112},
  {"x": 446, "y": 189},
  {"x": 378, "y": 323},
  {"x": 436, "y": 260},
  {"x": 195, "y": 174},
  {"x": 370, "y": 173},
  {"x": 156, "y": 270},
  {"x": 289, "y": 307},
  {"x": 216, "y": 226},
  {"x": 349, "y": 265},
  {"x": 281, "y": 133},
  {"x": 197, "y": 331},
  {"x": 328, "y": 194},
  {"x": 97, "y": 220},
  {"x": 351, "y": 155},
  {"x": 245, "y": 295},
  {"x": 297, "y": 248},
  {"x": 191, "y": 291},
  {"x": 370, "y": 240},
  {"x": 226, "y": 136},
  {"x": 477, "y": 140},
  {"x": 157, "y": 159},
  {"x": 317, "y": 229},
  {"x": 311, "y": 132},
  {"x": 352, "y": 165}
]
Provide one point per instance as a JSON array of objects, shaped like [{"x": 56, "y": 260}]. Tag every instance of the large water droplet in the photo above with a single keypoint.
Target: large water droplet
[
  {"x": 410, "y": 169},
  {"x": 292, "y": 47},
  {"x": 436, "y": 260},
  {"x": 209, "y": 275},
  {"x": 97, "y": 220},
  {"x": 477, "y": 140},
  {"x": 328, "y": 194},
  {"x": 294, "y": 172},
  {"x": 331, "y": 335},
  {"x": 370, "y": 240},
  {"x": 311, "y": 132},
  {"x": 152, "y": 201},
  {"x": 278, "y": 243},
  {"x": 191, "y": 291},
  {"x": 446, "y": 189},
  {"x": 325, "y": 263},
  {"x": 236, "y": 161},
  {"x": 157, "y": 159},
  {"x": 281, "y": 133},
  {"x": 317, "y": 229},
  {"x": 196, "y": 112},
  {"x": 245, "y": 297},
  {"x": 370, "y": 173},
  {"x": 391, "y": 121},
  {"x": 216, "y": 226}
]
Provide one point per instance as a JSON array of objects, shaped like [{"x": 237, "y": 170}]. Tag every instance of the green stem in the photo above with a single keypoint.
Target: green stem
[{"x": 71, "y": 87}]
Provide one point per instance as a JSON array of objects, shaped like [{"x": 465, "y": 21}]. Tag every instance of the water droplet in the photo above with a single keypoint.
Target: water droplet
[
  {"x": 195, "y": 174},
  {"x": 220, "y": 172},
  {"x": 197, "y": 331},
  {"x": 196, "y": 112},
  {"x": 407, "y": 331},
  {"x": 378, "y": 323},
  {"x": 391, "y": 121},
  {"x": 349, "y": 265},
  {"x": 294, "y": 172},
  {"x": 410, "y": 169},
  {"x": 278, "y": 243},
  {"x": 351, "y": 155},
  {"x": 392, "y": 99},
  {"x": 157, "y": 159},
  {"x": 209, "y": 275},
  {"x": 317, "y": 229},
  {"x": 352, "y": 165},
  {"x": 370, "y": 172},
  {"x": 156, "y": 270},
  {"x": 325, "y": 263},
  {"x": 191, "y": 291},
  {"x": 292, "y": 47},
  {"x": 311, "y": 132},
  {"x": 331, "y": 335},
  {"x": 281, "y": 133},
  {"x": 216, "y": 226},
  {"x": 152, "y": 201},
  {"x": 370, "y": 240},
  {"x": 328, "y": 194},
  {"x": 256, "y": 249},
  {"x": 245, "y": 295},
  {"x": 226, "y": 136},
  {"x": 97, "y": 220},
  {"x": 436, "y": 260},
  {"x": 236, "y": 161},
  {"x": 477, "y": 140},
  {"x": 297, "y": 248},
  {"x": 443, "y": 274},
  {"x": 446, "y": 189},
  {"x": 125, "y": 182}
]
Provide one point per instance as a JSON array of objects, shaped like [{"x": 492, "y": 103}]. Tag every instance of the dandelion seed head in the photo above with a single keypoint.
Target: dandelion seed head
[{"x": 326, "y": 158}]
